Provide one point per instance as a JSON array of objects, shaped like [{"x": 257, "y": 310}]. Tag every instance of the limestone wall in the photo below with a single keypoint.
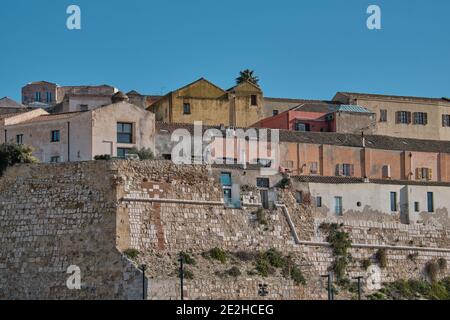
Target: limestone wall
[{"x": 88, "y": 214}]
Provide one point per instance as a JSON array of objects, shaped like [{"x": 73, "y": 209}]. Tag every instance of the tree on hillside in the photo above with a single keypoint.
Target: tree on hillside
[
  {"x": 247, "y": 75},
  {"x": 10, "y": 154}
]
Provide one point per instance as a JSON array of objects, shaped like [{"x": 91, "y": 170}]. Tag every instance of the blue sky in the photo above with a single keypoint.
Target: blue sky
[{"x": 304, "y": 49}]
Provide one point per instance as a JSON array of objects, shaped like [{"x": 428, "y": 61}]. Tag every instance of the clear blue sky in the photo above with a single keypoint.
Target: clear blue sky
[{"x": 305, "y": 49}]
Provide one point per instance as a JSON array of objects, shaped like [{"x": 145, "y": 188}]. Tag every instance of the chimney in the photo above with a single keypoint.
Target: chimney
[{"x": 119, "y": 97}]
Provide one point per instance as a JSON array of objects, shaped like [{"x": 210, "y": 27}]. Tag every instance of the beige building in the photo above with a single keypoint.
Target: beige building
[
  {"x": 405, "y": 117},
  {"x": 80, "y": 136},
  {"x": 204, "y": 101}
]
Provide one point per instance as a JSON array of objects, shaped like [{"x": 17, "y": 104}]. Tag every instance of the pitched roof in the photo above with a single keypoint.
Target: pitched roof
[
  {"x": 42, "y": 82},
  {"x": 338, "y": 139},
  {"x": 6, "y": 102},
  {"x": 52, "y": 117},
  {"x": 392, "y": 97},
  {"x": 352, "y": 108}
]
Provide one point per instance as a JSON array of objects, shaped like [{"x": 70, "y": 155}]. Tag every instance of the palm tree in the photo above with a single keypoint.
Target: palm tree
[{"x": 247, "y": 75}]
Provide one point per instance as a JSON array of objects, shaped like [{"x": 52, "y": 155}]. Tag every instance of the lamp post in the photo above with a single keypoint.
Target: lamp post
[
  {"x": 181, "y": 276},
  {"x": 359, "y": 286},
  {"x": 143, "y": 268},
  {"x": 329, "y": 276}
]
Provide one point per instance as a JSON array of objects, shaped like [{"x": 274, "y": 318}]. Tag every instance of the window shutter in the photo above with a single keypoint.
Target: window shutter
[
  {"x": 418, "y": 174},
  {"x": 340, "y": 169},
  {"x": 443, "y": 120},
  {"x": 408, "y": 114},
  {"x": 414, "y": 118},
  {"x": 425, "y": 118},
  {"x": 397, "y": 117},
  {"x": 430, "y": 174},
  {"x": 352, "y": 170}
]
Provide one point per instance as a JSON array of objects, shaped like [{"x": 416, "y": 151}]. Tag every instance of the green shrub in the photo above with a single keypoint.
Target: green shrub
[
  {"x": 366, "y": 264},
  {"x": 217, "y": 254},
  {"x": 187, "y": 259},
  {"x": 144, "y": 153},
  {"x": 297, "y": 276},
  {"x": 340, "y": 243},
  {"x": 275, "y": 258},
  {"x": 261, "y": 217},
  {"x": 442, "y": 263},
  {"x": 11, "y": 154},
  {"x": 187, "y": 274},
  {"x": 381, "y": 257},
  {"x": 263, "y": 266},
  {"x": 244, "y": 255},
  {"x": 131, "y": 253},
  {"x": 233, "y": 272},
  {"x": 106, "y": 157}
]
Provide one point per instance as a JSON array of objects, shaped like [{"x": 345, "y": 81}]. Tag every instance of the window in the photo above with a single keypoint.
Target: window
[
  {"x": 227, "y": 197},
  {"x": 430, "y": 200},
  {"x": 314, "y": 168},
  {"x": 84, "y": 107},
  {"x": 122, "y": 152},
  {"x": 37, "y": 97},
  {"x": 186, "y": 108},
  {"x": 55, "y": 136},
  {"x": 394, "y": 201},
  {"x": 225, "y": 179},
  {"x": 262, "y": 183},
  {"x": 416, "y": 207},
  {"x": 289, "y": 164},
  {"x": 338, "y": 206},
  {"x": 124, "y": 132},
  {"x": 420, "y": 118},
  {"x": 404, "y": 117},
  {"x": 319, "y": 202},
  {"x": 55, "y": 159},
  {"x": 275, "y": 112},
  {"x": 19, "y": 139},
  {"x": 446, "y": 120},
  {"x": 386, "y": 171},
  {"x": 302, "y": 127},
  {"x": 424, "y": 174},
  {"x": 383, "y": 115},
  {"x": 299, "y": 197},
  {"x": 254, "y": 100},
  {"x": 49, "y": 97},
  {"x": 345, "y": 169}
]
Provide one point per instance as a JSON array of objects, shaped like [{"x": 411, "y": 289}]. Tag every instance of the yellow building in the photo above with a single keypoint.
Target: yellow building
[{"x": 240, "y": 106}]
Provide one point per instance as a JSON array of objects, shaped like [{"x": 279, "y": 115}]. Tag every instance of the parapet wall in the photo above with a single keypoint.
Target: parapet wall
[{"x": 88, "y": 214}]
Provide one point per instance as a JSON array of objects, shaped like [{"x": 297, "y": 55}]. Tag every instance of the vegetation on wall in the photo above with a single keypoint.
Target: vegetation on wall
[
  {"x": 267, "y": 263},
  {"x": 381, "y": 257},
  {"x": 261, "y": 217},
  {"x": 413, "y": 290},
  {"x": 187, "y": 258},
  {"x": 11, "y": 154},
  {"x": 131, "y": 254},
  {"x": 144, "y": 153},
  {"x": 105, "y": 157},
  {"x": 340, "y": 243},
  {"x": 216, "y": 254}
]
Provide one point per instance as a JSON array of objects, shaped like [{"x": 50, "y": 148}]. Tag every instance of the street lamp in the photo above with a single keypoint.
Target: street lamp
[
  {"x": 330, "y": 289},
  {"x": 143, "y": 268},
  {"x": 359, "y": 286}
]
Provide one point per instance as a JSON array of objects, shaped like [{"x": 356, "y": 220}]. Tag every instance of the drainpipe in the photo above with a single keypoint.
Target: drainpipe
[
  {"x": 68, "y": 141},
  {"x": 6, "y": 136}
]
